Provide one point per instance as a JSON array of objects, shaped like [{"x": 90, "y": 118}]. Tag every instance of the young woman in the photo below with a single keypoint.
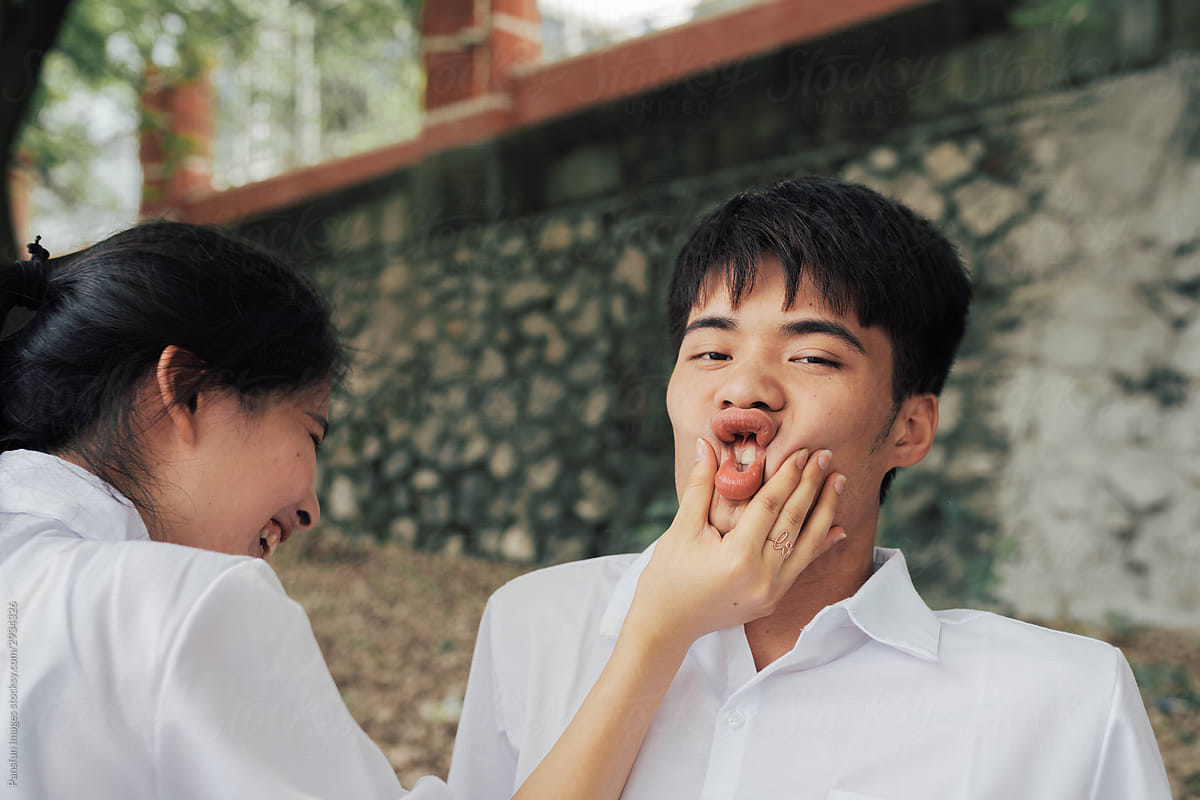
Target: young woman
[{"x": 160, "y": 412}]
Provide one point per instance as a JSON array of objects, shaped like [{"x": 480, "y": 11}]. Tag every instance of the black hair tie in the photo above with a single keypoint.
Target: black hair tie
[{"x": 33, "y": 275}]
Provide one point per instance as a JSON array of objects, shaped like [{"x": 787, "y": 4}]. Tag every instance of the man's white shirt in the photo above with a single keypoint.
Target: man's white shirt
[
  {"x": 880, "y": 699},
  {"x": 150, "y": 670}
]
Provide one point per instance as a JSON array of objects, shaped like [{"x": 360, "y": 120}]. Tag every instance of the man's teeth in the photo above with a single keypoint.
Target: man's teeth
[{"x": 746, "y": 454}]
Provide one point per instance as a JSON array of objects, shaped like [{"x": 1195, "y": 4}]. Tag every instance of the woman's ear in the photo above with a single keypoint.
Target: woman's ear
[
  {"x": 175, "y": 375},
  {"x": 913, "y": 430}
]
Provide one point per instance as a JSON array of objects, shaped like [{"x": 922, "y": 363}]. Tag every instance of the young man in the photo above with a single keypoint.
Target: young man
[{"x": 818, "y": 315}]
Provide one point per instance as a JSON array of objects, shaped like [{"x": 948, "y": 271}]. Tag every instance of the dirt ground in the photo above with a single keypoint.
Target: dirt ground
[{"x": 398, "y": 627}]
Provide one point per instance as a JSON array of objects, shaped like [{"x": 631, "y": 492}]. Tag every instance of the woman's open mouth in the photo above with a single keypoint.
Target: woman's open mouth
[{"x": 270, "y": 537}]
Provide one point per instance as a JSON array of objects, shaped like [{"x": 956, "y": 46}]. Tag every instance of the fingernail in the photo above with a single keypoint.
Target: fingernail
[
  {"x": 840, "y": 537},
  {"x": 823, "y": 459},
  {"x": 839, "y": 484},
  {"x": 801, "y": 457},
  {"x": 699, "y": 448}
]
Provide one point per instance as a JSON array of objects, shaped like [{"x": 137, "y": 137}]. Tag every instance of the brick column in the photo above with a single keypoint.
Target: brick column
[
  {"x": 176, "y": 143},
  {"x": 470, "y": 46}
]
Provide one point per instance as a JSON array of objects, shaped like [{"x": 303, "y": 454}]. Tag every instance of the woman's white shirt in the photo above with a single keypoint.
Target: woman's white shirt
[{"x": 138, "y": 669}]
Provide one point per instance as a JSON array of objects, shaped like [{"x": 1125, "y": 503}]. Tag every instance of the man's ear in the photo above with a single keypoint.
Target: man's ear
[
  {"x": 913, "y": 429},
  {"x": 174, "y": 377}
]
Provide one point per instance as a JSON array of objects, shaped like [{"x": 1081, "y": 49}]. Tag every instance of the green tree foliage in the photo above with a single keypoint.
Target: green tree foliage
[{"x": 52, "y": 49}]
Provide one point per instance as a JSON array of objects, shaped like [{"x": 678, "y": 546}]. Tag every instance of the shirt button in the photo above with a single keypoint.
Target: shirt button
[{"x": 735, "y": 720}]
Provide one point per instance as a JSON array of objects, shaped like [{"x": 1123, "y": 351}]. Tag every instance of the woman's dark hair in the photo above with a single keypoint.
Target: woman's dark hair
[
  {"x": 863, "y": 254},
  {"x": 69, "y": 378}
]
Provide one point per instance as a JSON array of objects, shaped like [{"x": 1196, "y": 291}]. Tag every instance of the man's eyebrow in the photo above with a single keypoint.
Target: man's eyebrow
[
  {"x": 828, "y": 327},
  {"x": 324, "y": 423},
  {"x": 720, "y": 323}
]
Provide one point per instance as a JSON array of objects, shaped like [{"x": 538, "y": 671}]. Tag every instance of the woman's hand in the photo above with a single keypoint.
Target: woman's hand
[{"x": 698, "y": 581}]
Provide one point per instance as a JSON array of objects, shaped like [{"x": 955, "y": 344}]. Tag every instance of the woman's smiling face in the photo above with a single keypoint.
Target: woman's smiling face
[
  {"x": 762, "y": 380},
  {"x": 245, "y": 481}
]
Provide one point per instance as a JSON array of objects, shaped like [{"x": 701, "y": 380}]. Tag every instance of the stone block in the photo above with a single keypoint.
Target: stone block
[
  {"x": 525, "y": 293},
  {"x": 1046, "y": 151},
  {"x": 1141, "y": 478},
  {"x": 542, "y": 474},
  {"x": 595, "y": 408},
  {"x": 395, "y": 278},
  {"x": 500, "y": 409},
  {"x": 598, "y": 498},
  {"x": 949, "y": 410},
  {"x": 491, "y": 366},
  {"x": 1067, "y": 194},
  {"x": 587, "y": 321},
  {"x": 946, "y": 163},
  {"x": 537, "y": 325},
  {"x": 632, "y": 270},
  {"x": 544, "y": 395},
  {"x": 1034, "y": 249},
  {"x": 915, "y": 191},
  {"x": 984, "y": 205},
  {"x": 503, "y": 462},
  {"x": 343, "y": 499},
  {"x": 517, "y": 544},
  {"x": 555, "y": 236},
  {"x": 587, "y": 229},
  {"x": 449, "y": 363},
  {"x": 1174, "y": 218},
  {"x": 565, "y": 550},
  {"x": 1117, "y": 170},
  {"x": 404, "y": 530},
  {"x": 568, "y": 299},
  {"x": 424, "y": 480},
  {"x": 883, "y": 159},
  {"x": 474, "y": 450}
]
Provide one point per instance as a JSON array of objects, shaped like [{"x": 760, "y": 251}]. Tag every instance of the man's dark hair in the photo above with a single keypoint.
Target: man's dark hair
[{"x": 862, "y": 252}]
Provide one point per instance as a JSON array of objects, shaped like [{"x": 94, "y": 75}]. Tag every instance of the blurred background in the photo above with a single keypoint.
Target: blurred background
[{"x": 493, "y": 192}]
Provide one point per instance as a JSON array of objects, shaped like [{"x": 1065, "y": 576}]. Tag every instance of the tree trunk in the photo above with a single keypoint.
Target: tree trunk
[{"x": 28, "y": 30}]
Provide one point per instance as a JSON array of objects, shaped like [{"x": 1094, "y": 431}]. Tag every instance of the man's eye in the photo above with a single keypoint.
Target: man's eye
[
  {"x": 711, "y": 355},
  {"x": 817, "y": 360}
]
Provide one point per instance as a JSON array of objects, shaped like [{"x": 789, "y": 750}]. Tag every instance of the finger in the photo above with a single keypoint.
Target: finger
[
  {"x": 760, "y": 516},
  {"x": 786, "y": 529},
  {"x": 697, "y": 496},
  {"x": 815, "y": 537}
]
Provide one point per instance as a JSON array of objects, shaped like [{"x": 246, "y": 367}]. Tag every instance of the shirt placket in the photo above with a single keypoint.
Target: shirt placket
[{"x": 734, "y": 722}]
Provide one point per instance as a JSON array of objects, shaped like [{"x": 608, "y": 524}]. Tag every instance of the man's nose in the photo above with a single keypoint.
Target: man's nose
[{"x": 751, "y": 384}]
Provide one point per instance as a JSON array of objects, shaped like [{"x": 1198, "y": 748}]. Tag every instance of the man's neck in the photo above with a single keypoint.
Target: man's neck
[{"x": 834, "y": 576}]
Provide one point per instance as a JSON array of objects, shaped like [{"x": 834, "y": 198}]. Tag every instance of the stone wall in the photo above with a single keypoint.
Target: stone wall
[{"x": 509, "y": 394}]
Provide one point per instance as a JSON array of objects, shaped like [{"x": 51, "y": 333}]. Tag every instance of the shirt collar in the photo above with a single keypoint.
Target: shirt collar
[
  {"x": 47, "y": 486},
  {"x": 886, "y": 608}
]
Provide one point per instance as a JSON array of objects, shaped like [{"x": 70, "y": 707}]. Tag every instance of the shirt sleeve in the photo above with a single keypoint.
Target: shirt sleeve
[
  {"x": 247, "y": 707},
  {"x": 1130, "y": 764},
  {"x": 484, "y": 764}
]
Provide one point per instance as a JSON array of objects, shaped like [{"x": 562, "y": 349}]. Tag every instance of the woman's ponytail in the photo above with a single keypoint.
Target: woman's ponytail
[{"x": 24, "y": 283}]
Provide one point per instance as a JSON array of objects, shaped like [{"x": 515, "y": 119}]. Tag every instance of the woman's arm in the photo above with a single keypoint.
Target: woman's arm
[{"x": 696, "y": 582}]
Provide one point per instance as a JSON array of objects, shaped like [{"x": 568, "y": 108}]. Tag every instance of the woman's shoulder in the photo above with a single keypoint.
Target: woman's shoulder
[
  {"x": 148, "y": 592},
  {"x": 177, "y": 578}
]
